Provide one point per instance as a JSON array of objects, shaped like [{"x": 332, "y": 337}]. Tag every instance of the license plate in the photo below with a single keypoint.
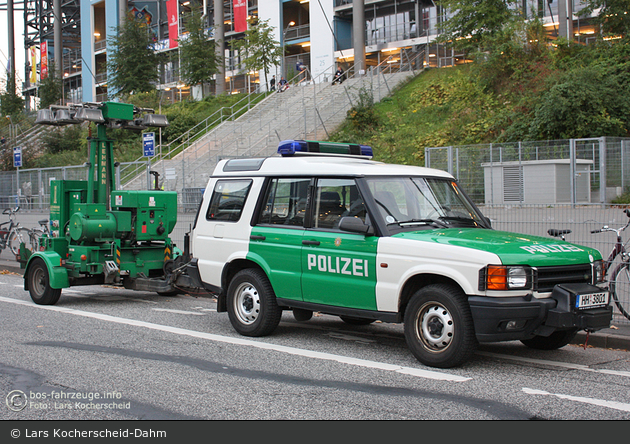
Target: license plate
[{"x": 591, "y": 300}]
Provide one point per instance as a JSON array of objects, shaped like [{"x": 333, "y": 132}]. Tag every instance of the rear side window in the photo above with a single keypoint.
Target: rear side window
[{"x": 228, "y": 199}]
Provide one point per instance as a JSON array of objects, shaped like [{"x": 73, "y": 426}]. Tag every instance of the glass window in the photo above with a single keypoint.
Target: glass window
[
  {"x": 334, "y": 199},
  {"x": 228, "y": 199},
  {"x": 286, "y": 202}
]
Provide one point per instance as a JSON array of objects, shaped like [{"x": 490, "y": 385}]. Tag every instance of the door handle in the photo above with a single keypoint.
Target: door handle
[
  {"x": 256, "y": 237},
  {"x": 310, "y": 242}
]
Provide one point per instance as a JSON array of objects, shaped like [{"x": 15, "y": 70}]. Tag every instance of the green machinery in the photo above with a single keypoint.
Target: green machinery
[{"x": 100, "y": 235}]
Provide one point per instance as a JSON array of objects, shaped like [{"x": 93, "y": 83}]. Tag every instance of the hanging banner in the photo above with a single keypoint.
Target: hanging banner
[
  {"x": 172, "y": 12},
  {"x": 33, "y": 64},
  {"x": 240, "y": 15},
  {"x": 43, "y": 61}
]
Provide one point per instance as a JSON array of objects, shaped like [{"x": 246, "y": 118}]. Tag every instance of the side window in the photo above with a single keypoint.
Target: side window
[
  {"x": 285, "y": 202},
  {"x": 228, "y": 199},
  {"x": 334, "y": 199}
]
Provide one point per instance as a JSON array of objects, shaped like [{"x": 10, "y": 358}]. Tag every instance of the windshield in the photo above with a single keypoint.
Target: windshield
[{"x": 417, "y": 201}]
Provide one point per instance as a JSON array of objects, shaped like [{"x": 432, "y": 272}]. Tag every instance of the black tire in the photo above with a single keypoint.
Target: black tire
[
  {"x": 302, "y": 315},
  {"x": 555, "y": 340},
  {"x": 356, "y": 321},
  {"x": 620, "y": 289},
  {"x": 39, "y": 284},
  {"x": 438, "y": 326},
  {"x": 251, "y": 304}
]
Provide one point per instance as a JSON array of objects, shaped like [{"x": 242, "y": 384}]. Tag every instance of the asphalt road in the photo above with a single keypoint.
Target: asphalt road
[{"x": 110, "y": 353}]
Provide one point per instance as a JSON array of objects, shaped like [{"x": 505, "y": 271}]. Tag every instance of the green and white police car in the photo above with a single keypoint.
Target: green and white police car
[{"x": 322, "y": 228}]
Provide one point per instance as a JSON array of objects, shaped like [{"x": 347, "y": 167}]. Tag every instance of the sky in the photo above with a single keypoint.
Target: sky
[{"x": 18, "y": 24}]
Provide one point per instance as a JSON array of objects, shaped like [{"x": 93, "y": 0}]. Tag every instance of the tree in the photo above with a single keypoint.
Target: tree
[
  {"x": 471, "y": 22},
  {"x": 132, "y": 63},
  {"x": 11, "y": 104},
  {"x": 614, "y": 17},
  {"x": 258, "y": 50},
  {"x": 198, "y": 59},
  {"x": 50, "y": 89}
]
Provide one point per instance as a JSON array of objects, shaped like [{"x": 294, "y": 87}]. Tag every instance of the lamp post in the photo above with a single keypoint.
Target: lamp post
[{"x": 284, "y": 34}]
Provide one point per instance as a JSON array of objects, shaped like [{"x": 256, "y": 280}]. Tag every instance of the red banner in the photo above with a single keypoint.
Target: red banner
[
  {"x": 172, "y": 12},
  {"x": 240, "y": 15},
  {"x": 43, "y": 60}
]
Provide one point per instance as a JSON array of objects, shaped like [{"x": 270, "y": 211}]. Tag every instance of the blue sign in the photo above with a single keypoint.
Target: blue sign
[
  {"x": 148, "y": 144},
  {"x": 17, "y": 156}
]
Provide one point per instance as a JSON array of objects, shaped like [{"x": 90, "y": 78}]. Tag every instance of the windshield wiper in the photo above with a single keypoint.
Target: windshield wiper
[
  {"x": 421, "y": 221},
  {"x": 459, "y": 219}
]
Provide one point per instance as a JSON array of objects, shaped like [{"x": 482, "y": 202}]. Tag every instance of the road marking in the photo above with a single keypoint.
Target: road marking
[
  {"x": 567, "y": 365},
  {"x": 170, "y": 310},
  {"x": 428, "y": 374},
  {"x": 599, "y": 402}
]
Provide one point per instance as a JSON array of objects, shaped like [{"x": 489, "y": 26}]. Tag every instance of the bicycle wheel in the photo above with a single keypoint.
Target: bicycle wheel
[
  {"x": 620, "y": 288},
  {"x": 17, "y": 236}
]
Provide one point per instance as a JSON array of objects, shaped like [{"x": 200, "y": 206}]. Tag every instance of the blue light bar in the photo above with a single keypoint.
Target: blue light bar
[{"x": 292, "y": 147}]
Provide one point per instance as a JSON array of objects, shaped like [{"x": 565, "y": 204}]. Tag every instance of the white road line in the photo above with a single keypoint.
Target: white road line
[
  {"x": 428, "y": 374},
  {"x": 170, "y": 310},
  {"x": 599, "y": 402},
  {"x": 567, "y": 365}
]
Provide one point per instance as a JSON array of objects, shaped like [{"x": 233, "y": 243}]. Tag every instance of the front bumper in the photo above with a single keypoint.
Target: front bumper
[{"x": 516, "y": 318}]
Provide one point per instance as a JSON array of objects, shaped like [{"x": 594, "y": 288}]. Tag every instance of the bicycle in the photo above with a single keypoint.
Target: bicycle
[
  {"x": 12, "y": 235},
  {"x": 37, "y": 233},
  {"x": 619, "y": 285}
]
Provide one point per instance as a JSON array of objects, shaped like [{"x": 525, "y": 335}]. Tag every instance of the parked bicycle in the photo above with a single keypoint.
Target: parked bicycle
[
  {"x": 37, "y": 233},
  {"x": 12, "y": 234},
  {"x": 619, "y": 278}
]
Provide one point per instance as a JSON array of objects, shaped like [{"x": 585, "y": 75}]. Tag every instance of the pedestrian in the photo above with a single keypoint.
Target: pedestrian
[
  {"x": 3, "y": 140},
  {"x": 272, "y": 83},
  {"x": 282, "y": 84},
  {"x": 339, "y": 76}
]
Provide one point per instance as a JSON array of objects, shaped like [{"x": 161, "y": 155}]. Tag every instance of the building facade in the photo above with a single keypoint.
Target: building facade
[{"x": 318, "y": 34}]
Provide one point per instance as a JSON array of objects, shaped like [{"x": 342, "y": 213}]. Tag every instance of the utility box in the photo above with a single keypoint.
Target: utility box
[
  {"x": 153, "y": 213},
  {"x": 536, "y": 181}
]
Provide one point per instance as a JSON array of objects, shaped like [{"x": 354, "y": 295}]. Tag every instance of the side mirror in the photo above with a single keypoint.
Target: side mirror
[{"x": 355, "y": 225}]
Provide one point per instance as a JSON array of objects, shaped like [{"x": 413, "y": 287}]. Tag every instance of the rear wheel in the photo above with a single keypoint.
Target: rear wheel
[
  {"x": 39, "y": 284},
  {"x": 251, "y": 304},
  {"x": 19, "y": 236},
  {"x": 620, "y": 289},
  {"x": 438, "y": 326},
  {"x": 555, "y": 340}
]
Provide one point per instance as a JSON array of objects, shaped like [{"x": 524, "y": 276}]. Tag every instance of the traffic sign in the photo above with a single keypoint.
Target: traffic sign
[
  {"x": 17, "y": 156},
  {"x": 148, "y": 144}
]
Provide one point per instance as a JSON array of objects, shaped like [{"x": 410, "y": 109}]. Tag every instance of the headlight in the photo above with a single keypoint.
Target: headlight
[
  {"x": 501, "y": 277},
  {"x": 598, "y": 272}
]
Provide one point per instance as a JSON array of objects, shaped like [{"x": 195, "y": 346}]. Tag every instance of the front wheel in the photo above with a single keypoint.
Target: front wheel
[
  {"x": 251, "y": 304},
  {"x": 620, "y": 289},
  {"x": 555, "y": 340},
  {"x": 438, "y": 326},
  {"x": 39, "y": 284}
]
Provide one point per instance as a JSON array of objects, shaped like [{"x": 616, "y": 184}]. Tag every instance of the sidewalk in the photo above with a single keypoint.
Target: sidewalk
[{"x": 618, "y": 336}]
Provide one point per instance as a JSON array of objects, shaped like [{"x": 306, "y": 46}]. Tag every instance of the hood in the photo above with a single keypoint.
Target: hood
[{"x": 512, "y": 248}]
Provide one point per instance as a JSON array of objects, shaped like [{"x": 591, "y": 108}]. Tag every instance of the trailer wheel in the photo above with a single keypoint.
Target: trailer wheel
[
  {"x": 39, "y": 284},
  {"x": 251, "y": 304}
]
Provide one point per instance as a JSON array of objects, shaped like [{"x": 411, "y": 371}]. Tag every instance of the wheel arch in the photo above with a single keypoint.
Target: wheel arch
[
  {"x": 418, "y": 281},
  {"x": 57, "y": 274},
  {"x": 228, "y": 273}
]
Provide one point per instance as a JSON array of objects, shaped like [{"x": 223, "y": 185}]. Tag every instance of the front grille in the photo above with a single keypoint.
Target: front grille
[{"x": 545, "y": 278}]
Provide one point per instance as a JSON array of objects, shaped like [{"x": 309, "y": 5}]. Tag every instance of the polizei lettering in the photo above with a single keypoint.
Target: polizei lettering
[
  {"x": 341, "y": 265},
  {"x": 551, "y": 248}
]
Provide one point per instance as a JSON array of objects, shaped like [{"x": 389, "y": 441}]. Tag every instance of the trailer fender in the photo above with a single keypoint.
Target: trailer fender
[{"x": 58, "y": 275}]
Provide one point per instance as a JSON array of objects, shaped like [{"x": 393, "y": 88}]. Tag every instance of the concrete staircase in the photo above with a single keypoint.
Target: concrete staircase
[{"x": 310, "y": 111}]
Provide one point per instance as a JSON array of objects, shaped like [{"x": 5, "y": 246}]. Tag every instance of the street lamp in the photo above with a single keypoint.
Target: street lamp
[{"x": 284, "y": 34}]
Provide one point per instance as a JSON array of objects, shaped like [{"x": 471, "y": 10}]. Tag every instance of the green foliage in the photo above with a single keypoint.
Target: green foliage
[
  {"x": 65, "y": 138},
  {"x": 11, "y": 104},
  {"x": 132, "y": 63},
  {"x": 258, "y": 50},
  {"x": 50, "y": 89},
  {"x": 362, "y": 116},
  {"x": 613, "y": 16},
  {"x": 198, "y": 54}
]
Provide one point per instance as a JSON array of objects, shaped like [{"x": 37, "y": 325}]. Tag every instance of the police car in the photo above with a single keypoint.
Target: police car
[{"x": 323, "y": 228}]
